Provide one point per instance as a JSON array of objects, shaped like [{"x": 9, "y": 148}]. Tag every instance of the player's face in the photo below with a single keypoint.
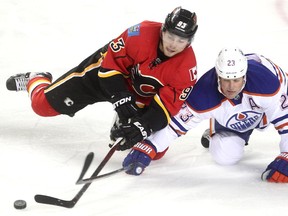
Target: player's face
[
  {"x": 173, "y": 44},
  {"x": 231, "y": 87}
]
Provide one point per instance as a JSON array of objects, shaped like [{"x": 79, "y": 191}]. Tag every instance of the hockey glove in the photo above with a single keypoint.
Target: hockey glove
[
  {"x": 139, "y": 158},
  {"x": 133, "y": 132},
  {"x": 125, "y": 106},
  {"x": 277, "y": 170}
]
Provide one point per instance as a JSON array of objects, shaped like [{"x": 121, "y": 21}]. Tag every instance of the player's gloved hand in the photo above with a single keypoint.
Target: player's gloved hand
[
  {"x": 277, "y": 170},
  {"x": 125, "y": 106},
  {"x": 139, "y": 158},
  {"x": 133, "y": 132}
]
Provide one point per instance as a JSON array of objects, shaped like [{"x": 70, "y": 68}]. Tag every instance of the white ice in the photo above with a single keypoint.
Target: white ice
[{"x": 45, "y": 155}]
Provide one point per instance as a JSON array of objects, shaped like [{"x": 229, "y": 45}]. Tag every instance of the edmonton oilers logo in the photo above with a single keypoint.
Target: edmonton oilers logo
[{"x": 244, "y": 121}]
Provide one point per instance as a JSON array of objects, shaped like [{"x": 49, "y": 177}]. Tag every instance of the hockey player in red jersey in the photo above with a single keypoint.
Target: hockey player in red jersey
[{"x": 146, "y": 73}]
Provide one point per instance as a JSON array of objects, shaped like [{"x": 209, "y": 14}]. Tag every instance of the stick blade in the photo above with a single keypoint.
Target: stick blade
[
  {"x": 87, "y": 163},
  {"x": 53, "y": 201}
]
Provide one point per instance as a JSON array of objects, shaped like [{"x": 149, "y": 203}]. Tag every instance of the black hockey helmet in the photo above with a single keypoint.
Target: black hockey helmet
[{"x": 181, "y": 22}]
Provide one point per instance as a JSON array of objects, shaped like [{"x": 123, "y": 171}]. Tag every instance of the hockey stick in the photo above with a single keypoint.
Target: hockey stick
[
  {"x": 71, "y": 203},
  {"x": 93, "y": 178},
  {"x": 86, "y": 166}
]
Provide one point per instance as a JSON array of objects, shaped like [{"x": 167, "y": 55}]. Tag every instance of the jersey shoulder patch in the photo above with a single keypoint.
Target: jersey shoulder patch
[
  {"x": 145, "y": 28},
  {"x": 134, "y": 30}
]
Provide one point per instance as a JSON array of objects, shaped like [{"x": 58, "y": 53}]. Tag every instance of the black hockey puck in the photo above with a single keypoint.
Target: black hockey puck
[{"x": 20, "y": 204}]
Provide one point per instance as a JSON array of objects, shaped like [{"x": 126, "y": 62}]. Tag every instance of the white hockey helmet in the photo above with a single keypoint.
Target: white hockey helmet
[{"x": 231, "y": 63}]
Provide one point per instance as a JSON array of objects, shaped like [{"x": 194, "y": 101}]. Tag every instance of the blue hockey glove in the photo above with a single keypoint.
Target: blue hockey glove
[
  {"x": 125, "y": 106},
  {"x": 139, "y": 158},
  {"x": 277, "y": 170},
  {"x": 133, "y": 132}
]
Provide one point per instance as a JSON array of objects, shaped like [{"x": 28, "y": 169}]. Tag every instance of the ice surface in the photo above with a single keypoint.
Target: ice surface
[{"x": 45, "y": 155}]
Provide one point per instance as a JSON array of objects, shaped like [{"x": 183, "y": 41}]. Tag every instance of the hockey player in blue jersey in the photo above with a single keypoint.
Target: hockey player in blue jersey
[{"x": 240, "y": 94}]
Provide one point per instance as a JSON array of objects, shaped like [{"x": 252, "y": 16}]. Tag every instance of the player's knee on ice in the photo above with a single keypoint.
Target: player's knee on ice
[{"x": 226, "y": 148}]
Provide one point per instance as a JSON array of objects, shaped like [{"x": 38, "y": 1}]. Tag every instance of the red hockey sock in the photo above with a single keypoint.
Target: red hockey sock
[{"x": 39, "y": 103}]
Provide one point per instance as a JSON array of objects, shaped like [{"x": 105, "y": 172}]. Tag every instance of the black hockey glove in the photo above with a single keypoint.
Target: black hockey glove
[
  {"x": 125, "y": 106},
  {"x": 133, "y": 132}
]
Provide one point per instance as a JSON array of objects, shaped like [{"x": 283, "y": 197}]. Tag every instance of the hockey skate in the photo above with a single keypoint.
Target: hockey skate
[
  {"x": 205, "y": 139},
  {"x": 19, "y": 82}
]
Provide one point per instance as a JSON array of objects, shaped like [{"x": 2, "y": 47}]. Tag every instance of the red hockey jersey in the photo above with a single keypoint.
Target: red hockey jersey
[{"x": 134, "y": 54}]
